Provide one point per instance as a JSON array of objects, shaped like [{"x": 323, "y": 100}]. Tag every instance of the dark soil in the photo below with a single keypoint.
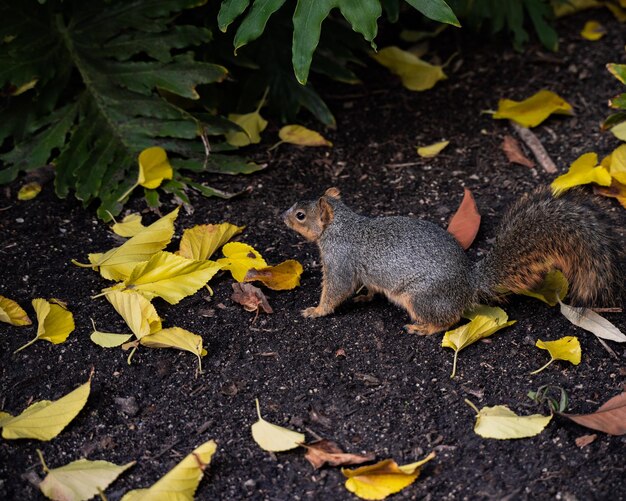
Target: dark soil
[{"x": 391, "y": 393}]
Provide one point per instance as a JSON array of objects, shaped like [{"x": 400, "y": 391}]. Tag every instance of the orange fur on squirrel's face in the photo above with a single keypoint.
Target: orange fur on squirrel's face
[{"x": 311, "y": 218}]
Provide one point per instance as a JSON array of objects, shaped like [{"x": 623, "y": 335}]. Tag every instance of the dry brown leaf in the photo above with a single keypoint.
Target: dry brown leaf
[
  {"x": 609, "y": 418},
  {"x": 466, "y": 221},
  {"x": 250, "y": 297},
  {"x": 514, "y": 153},
  {"x": 617, "y": 190},
  {"x": 585, "y": 440},
  {"x": 324, "y": 451}
]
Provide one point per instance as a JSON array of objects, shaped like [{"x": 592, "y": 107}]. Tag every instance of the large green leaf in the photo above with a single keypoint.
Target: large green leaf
[
  {"x": 229, "y": 11},
  {"x": 438, "y": 10},
  {"x": 253, "y": 25}
]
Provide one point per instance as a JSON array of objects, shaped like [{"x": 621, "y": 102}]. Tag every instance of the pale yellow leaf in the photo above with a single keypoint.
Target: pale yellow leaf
[
  {"x": 564, "y": 8},
  {"x": 80, "y": 480},
  {"x": 382, "y": 479},
  {"x": 44, "y": 420},
  {"x": 582, "y": 171},
  {"x": 137, "y": 311},
  {"x": 118, "y": 263},
  {"x": 129, "y": 227},
  {"x": 553, "y": 288},
  {"x": 239, "y": 258},
  {"x": 619, "y": 131},
  {"x": 12, "y": 313},
  {"x": 283, "y": 276},
  {"x": 416, "y": 74},
  {"x": 567, "y": 348},
  {"x": 154, "y": 167},
  {"x": 180, "y": 339},
  {"x": 617, "y": 167},
  {"x": 591, "y": 321},
  {"x": 534, "y": 110},
  {"x": 297, "y": 134},
  {"x": 24, "y": 87},
  {"x": 29, "y": 191},
  {"x": 108, "y": 339},
  {"x": 252, "y": 123},
  {"x": 593, "y": 31},
  {"x": 274, "y": 438},
  {"x": 502, "y": 423},
  {"x": 181, "y": 482},
  {"x": 200, "y": 242},
  {"x": 170, "y": 277},
  {"x": 432, "y": 150},
  {"x": 55, "y": 322}
]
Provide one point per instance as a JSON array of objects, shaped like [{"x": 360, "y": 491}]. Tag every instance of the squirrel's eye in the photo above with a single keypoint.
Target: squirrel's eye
[{"x": 300, "y": 215}]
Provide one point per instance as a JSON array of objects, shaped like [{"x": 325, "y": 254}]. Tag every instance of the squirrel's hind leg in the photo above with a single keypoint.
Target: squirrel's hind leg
[{"x": 422, "y": 325}]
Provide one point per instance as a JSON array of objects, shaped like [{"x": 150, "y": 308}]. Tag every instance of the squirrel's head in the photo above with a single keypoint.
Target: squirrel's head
[{"x": 311, "y": 218}]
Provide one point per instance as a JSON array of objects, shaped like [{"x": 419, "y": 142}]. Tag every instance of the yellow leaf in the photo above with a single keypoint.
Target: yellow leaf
[
  {"x": 55, "y": 322},
  {"x": 432, "y": 150},
  {"x": 273, "y": 438},
  {"x": 283, "y": 276},
  {"x": 617, "y": 167},
  {"x": 79, "y": 480},
  {"x": 177, "y": 338},
  {"x": 24, "y": 87},
  {"x": 382, "y": 479},
  {"x": 534, "y": 110},
  {"x": 170, "y": 277},
  {"x": 252, "y": 123},
  {"x": 553, "y": 288},
  {"x": 562, "y": 8},
  {"x": 44, "y": 420},
  {"x": 485, "y": 321},
  {"x": 154, "y": 167},
  {"x": 618, "y": 13},
  {"x": 239, "y": 258},
  {"x": 129, "y": 227},
  {"x": 108, "y": 339},
  {"x": 619, "y": 131},
  {"x": 297, "y": 134},
  {"x": 200, "y": 242},
  {"x": 137, "y": 312},
  {"x": 118, "y": 263},
  {"x": 582, "y": 171},
  {"x": 416, "y": 74},
  {"x": 502, "y": 423},
  {"x": 12, "y": 313},
  {"x": 567, "y": 348},
  {"x": 29, "y": 191},
  {"x": 593, "y": 31},
  {"x": 181, "y": 482}
]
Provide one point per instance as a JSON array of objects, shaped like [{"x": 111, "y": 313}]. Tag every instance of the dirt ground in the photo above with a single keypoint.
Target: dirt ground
[{"x": 391, "y": 393}]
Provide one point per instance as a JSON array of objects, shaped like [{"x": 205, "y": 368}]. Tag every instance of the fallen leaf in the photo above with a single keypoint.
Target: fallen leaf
[
  {"x": 484, "y": 322},
  {"x": 118, "y": 263},
  {"x": 108, "y": 339},
  {"x": 273, "y": 438},
  {"x": 137, "y": 311},
  {"x": 251, "y": 298},
  {"x": 553, "y": 288},
  {"x": 514, "y": 153},
  {"x": 619, "y": 131},
  {"x": 55, "y": 322},
  {"x": 618, "y": 13},
  {"x": 239, "y": 258},
  {"x": 324, "y": 451},
  {"x": 297, "y": 134},
  {"x": 502, "y": 423},
  {"x": 617, "y": 166},
  {"x": 154, "y": 168},
  {"x": 432, "y": 150},
  {"x": 12, "y": 313},
  {"x": 589, "y": 320},
  {"x": 29, "y": 191},
  {"x": 593, "y": 31},
  {"x": 180, "y": 339},
  {"x": 585, "y": 440},
  {"x": 567, "y": 348},
  {"x": 252, "y": 123},
  {"x": 617, "y": 190},
  {"x": 169, "y": 276},
  {"x": 618, "y": 71},
  {"x": 45, "y": 419},
  {"x": 181, "y": 482},
  {"x": 129, "y": 227},
  {"x": 572, "y": 6},
  {"x": 609, "y": 418},
  {"x": 283, "y": 276},
  {"x": 416, "y": 74},
  {"x": 200, "y": 242},
  {"x": 383, "y": 478},
  {"x": 534, "y": 110},
  {"x": 582, "y": 171},
  {"x": 79, "y": 480},
  {"x": 465, "y": 222}
]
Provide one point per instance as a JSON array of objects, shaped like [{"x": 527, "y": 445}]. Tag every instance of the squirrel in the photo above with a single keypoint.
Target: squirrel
[{"x": 422, "y": 268}]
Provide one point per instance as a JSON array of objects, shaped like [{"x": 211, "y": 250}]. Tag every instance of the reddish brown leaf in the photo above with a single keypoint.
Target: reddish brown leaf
[
  {"x": 609, "y": 418},
  {"x": 585, "y": 440},
  {"x": 250, "y": 297},
  {"x": 325, "y": 451},
  {"x": 466, "y": 221},
  {"x": 616, "y": 190},
  {"x": 514, "y": 153}
]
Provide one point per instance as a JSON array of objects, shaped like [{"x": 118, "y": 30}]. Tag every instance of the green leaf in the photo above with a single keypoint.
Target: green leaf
[
  {"x": 618, "y": 102},
  {"x": 392, "y": 9},
  {"x": 437, "y": 10},
  {"x": 613, "y": 120},
  {"x": 618, "y": 71},
  {"x": 229, "y": 11},
  {"x": 539, "y": 11},
  {"x": 363, "y": 17},
  {"x": 253, "y": 25}
]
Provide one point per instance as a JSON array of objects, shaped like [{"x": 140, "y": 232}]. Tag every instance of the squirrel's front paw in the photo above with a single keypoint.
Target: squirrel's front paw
[{"x": 313, "y": 312}]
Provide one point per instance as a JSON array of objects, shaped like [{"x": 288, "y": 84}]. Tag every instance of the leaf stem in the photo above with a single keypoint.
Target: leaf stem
[
  {"x": 468, "y": 402},
  {"x": 128, "y": 360},
  {"x": 26, "y": 345},
  {"x": 258, "y": 408},
  {"x": 543, "y": 367},
  {"x": 128, "y": 192},
  {"x": 262, "y": 103},
  {"x": 43, "y": 463},
  {"x": 456, "y": 354}
]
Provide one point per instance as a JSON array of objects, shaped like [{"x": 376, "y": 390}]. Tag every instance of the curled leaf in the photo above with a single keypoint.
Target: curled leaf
[
  {"x": 55, "y": 322},
  {"x": 432, "y": 150},
  {"x": 326, "y": 451},
  {"x": 415, "y": 73},
  {"x": 567, "y": 348},
  {"x": 29, "y": 191},
  {"x": 514, "y": 152},
  {"x": 593, "y": 31},
  {"x": 502, "y": 423},
  {"x": 177, "y": 338},
  {"x": 465, "y": 222},
  {"x": 609, "y": 418},
  {"x": 283, "y": 276},
  {"x": 154, "y": 168},
  {"x": 582, "y": 171},
  {"x": 137, "y": 312},
  {"x": 297, "y": 134},
  {"x": 273, "y": 438},
  {"x": 251, "y": 298},
  {"x": 534, "y": 110},
  {"x": 252, "y": 124},
  {"x": 201, "y": 241},
  {"x": 12, "y": 313}
]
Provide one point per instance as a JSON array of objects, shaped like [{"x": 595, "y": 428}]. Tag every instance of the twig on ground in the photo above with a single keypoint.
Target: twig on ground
[{"x": 533, "y": 143}]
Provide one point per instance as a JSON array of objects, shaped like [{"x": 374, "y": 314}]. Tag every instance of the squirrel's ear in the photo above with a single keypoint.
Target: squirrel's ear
[
  {"x": 333, "y": 193},
  {"x": 326, "y": 211}
]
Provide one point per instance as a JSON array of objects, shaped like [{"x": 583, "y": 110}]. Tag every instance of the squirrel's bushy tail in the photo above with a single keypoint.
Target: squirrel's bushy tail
[{"x": 542, "y": 232}]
